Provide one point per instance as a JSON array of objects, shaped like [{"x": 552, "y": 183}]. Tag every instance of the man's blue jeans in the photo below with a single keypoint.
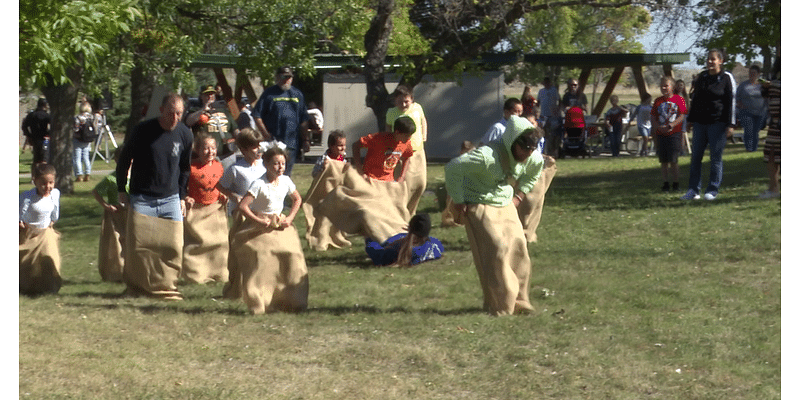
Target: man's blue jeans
[
  {"x": 164, "y": 207},
  {"x": 714, "y": 137}
]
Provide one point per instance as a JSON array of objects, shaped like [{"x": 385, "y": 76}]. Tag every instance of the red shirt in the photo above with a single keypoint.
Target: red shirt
[
  {"x": 573, "y": 118},
  {"x": 383, "y": 153},
  {"x": 203, "y": 180},
  {"x": 667, "y": 110}
]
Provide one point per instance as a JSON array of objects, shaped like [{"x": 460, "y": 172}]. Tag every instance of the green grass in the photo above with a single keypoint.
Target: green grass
[{"x": 649, "y": 297}]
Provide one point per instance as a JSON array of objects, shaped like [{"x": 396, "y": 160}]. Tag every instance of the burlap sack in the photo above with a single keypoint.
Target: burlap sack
[
  {"x": 500, "y": 252},
  {"x": 39, "y": 261},
  {"x": 530, "y": 208},
  {"x": 320, "y": 232},
  {"x": 111, "y": 249},
  {"x": 205, "y": 244},
  {"x": 233, "y": 288},
  {"x": 153, "y": 251},
  {"x": 369, "y": 208},
  {"x": 416, "y": 179},
  {"x": 273, "y": 268}
]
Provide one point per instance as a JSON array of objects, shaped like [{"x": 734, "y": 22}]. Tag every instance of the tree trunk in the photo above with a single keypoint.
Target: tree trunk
[
  {"x": 62, "y": 100},
  {"x": 376, "y": 42},
  {"x": 142, "y": 86}
]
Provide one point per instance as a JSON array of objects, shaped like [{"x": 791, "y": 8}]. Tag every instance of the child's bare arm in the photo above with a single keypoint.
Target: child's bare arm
[
  {"x": 402, "y": 177},
  {"x": 102, "y": 201},
  {"x": 244, "y": 207},
  {"x": 297, "y": 200}
]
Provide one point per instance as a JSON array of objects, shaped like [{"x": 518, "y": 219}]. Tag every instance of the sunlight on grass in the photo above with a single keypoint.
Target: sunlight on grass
[{"x": 637, "y": 295}]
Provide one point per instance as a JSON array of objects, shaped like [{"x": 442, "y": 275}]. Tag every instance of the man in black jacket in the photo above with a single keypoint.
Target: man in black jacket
[{"x": 36, "y": 126}]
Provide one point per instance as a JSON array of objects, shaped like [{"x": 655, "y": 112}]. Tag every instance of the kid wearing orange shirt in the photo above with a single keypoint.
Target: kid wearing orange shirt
[
  {"x": 205, "y": 249},
  {"x": 385, "y": 150}
]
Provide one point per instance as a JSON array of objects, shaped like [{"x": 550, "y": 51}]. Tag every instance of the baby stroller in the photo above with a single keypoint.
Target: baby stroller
[{"x": 574, "y": 134}]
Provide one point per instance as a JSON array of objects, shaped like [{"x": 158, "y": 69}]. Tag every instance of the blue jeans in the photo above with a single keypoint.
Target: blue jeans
[
  {"x": 751, "y": 123},
  {"x": 80, "y": 157},
  {"x": 164, "y": 207},
  {"x": 291, "y": 154},
  {"x": 714, "y": 137}
]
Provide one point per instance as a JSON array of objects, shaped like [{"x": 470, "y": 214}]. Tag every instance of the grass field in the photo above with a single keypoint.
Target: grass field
[{"x": 638, "y": 295}]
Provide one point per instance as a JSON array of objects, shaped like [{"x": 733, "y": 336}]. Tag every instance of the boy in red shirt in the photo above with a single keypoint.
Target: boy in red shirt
[
  {"x": 384, "y": 150},
  {"x": 666, "y": 120}
]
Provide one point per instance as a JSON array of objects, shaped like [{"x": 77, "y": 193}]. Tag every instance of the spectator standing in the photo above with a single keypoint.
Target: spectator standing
[
  {"x": 36, "y": 127},
  {"x": 573, "y": 98},
  {"x": 680, "y": 89},
  {"x": 84, "y": 135},
  {"x": 751, "y": 108},
  {"x": 614, "y": 117},
  {"x": 712, "y": 117},
  {"x": 642, "y": 114},
  {"x": 550, "y": 116},
  {"x": 213, "y": 118},
  {"x": 772, "y": 145},
  {"x": 528, "y": 102},
  {"x": 245, "y": 119},
  {"x": 281, "y": 114}
]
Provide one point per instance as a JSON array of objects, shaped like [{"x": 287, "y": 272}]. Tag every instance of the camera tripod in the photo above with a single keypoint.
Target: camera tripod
[{"x": 104, "y": 136}]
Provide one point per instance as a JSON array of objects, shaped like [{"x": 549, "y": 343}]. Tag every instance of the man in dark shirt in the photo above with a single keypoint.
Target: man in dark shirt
[
  {"x": 36, "y": 126},
  {"x": 158, "y": 152}
]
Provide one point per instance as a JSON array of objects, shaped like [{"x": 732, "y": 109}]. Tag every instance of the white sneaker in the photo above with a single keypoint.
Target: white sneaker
[
  {"x": 710, "y": 196},
  {"x": 769, "y": 195}
]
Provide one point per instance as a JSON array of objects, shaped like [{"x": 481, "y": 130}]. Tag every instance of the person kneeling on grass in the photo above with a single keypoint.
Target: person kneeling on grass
[
  {"x": 478, "y": 182},
  {"x": 407, "y": 249}
]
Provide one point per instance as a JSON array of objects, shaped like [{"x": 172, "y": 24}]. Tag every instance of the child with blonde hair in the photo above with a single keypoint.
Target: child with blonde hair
[
  {"x": 205, "y": 228},
  {"x": 666, "y": 120}
]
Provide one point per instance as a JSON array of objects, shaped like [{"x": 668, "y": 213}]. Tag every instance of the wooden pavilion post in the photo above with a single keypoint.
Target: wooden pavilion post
[
  {"x": 612, "y": 82},
  {"x": 638, "y": 76}
]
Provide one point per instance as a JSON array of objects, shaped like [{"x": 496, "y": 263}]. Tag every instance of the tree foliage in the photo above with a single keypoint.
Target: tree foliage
[
  {"x": 575, "y": 30},
  {"x": 58, "y": 42},
  {"x": 749, "y": 29},
  {"x": 56, "y": 35}
]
